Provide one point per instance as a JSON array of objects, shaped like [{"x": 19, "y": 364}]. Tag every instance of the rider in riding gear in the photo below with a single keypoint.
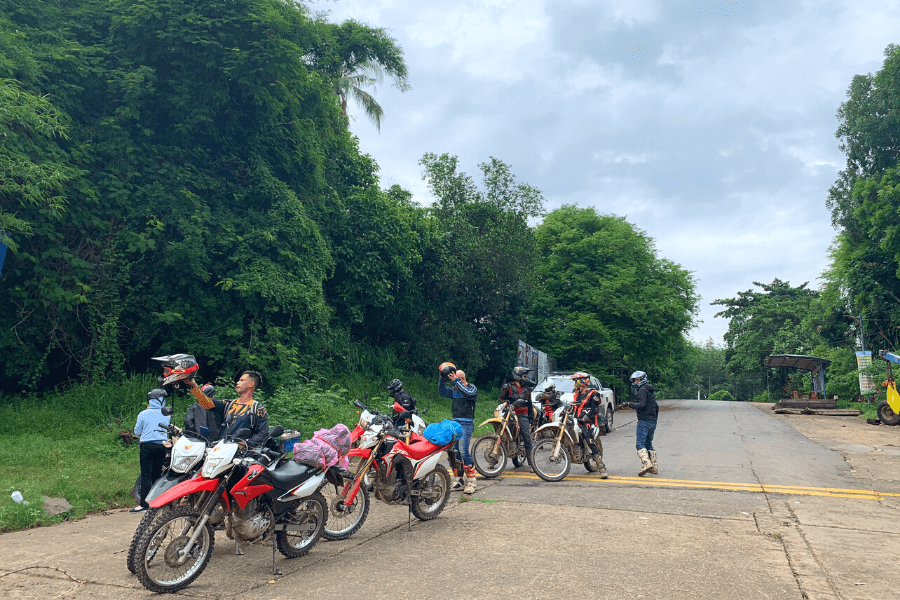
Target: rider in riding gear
[
  {"x": 588, "y": 415},
  {"x": 401, "y": 397},
  {"x": 207, "y": 423},
  {"x": 550, "y": 399},
  {"x": 452, "y": 384},
  {"x": 518, "y": 394},
  {"x": 647, "y": 413},
  {"x": 240, "y": 413}
]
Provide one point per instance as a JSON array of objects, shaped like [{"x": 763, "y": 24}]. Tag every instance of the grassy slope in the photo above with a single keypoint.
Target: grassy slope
[{"x": 66, "y": 444}]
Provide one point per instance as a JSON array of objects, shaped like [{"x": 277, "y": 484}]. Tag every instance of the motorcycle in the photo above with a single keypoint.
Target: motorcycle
[
  {"x": 404, "y": 468},
  {"x": 491, "y": 450},
  {"x": 560, "y": 443},
  {"x": 186, "y": 456},
  {"x": 260, "y": 492}
]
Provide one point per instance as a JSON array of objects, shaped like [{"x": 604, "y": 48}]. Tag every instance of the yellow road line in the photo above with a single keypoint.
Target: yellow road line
[{"x": 734, "y": 487}]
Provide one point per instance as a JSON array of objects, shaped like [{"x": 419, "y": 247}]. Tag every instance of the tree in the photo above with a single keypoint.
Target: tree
[
  {"x": 355, "y": 56},
  {"x": 777, "y": 319},
  {"x": 604, "y": 301}
]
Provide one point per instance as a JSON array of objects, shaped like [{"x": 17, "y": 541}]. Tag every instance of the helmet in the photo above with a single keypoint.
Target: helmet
[
  {"x": 394, "y": 386},
  {"x": 519, "y": 373},
  {"x": 581, "y": 379},
  {"x": 641, "y": 378},
  {"x": 209, "y": 389},
  {"x": 157, "y": 393},
  {"x": 177, "y": 367},
  {"x": 445, "y": 369}
]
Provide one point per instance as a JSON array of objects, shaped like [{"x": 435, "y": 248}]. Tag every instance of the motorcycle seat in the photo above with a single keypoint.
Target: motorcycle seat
[
  {"x": 419, "y": 447},
  {"x": 289, "y": 475}
]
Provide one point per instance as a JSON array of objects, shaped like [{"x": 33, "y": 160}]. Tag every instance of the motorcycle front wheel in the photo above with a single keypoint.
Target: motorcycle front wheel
[
  {"x": 489, "y": 466},
  {"x": 157, "y": 553},
  {"x": 545, "y": 465},
  {"x": 434, "y": 490},
  {"x": 344, "y": 521},
  {"x": 307, "y": 522}
]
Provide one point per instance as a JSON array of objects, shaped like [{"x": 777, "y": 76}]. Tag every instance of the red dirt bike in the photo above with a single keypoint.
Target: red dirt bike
[
  {"x": 259, "y": 491},
  {"x": 402, "y": 466}
]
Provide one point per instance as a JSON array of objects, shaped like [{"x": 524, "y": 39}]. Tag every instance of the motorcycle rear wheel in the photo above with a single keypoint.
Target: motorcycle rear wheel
[
  {"x": 312, "y": 511},
  {"x": 544, "y": 466},
  {"x": 344, "y": 521},
  {"x": 434, "y": 487},
  {"x": 485, "y": 464},
  {"x": 157, "y": 551}
]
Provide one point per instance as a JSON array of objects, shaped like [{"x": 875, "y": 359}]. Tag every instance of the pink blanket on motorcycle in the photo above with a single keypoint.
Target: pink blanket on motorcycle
[{"x": 326, "y": 448}]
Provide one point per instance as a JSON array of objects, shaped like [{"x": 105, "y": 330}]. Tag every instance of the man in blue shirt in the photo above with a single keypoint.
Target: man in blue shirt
[{"x": 149, "y": 426}]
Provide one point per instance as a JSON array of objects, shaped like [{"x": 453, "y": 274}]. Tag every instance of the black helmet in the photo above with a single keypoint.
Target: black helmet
[
  {"x": 209, "y": 389},
  {"x": 394, "y": 386},
  {"x": 445, "y": 369},
  {"x": 157, "y": 393},
  {"x": 519, "y": 373},
  {"x": 177, "y": 367}
]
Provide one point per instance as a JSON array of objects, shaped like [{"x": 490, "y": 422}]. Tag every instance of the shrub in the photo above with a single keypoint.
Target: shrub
[{"x": 721, "y": 395}]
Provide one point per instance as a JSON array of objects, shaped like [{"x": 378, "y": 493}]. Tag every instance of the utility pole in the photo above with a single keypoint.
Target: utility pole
[{"x": 862, "y": 331}]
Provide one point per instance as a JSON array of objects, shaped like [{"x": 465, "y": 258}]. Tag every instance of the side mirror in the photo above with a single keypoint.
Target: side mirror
[
  {"x": 276, "y": 431},
  {"x": 424, "y": 412},
  {"x": 359, "y": 405}
]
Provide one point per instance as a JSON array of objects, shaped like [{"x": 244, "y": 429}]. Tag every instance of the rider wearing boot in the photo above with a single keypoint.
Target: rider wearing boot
[
  {"x": 518, "y": 393},
  {"x": 587, "y": 412},
  {"x": 401, "y": 397},
  {"x": 453, "y": 384},
  {"x": 647, "y": 413}
]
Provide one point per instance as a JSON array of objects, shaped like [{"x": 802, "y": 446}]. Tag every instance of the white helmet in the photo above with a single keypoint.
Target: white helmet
[{"x": 641, "y": 378}]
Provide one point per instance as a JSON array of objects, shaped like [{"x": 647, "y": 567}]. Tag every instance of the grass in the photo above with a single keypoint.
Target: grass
[{"x": 65, "y": 444}]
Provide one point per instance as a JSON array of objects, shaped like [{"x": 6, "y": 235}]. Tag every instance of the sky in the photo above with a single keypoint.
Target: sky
[{"x": 708, "y": 125}]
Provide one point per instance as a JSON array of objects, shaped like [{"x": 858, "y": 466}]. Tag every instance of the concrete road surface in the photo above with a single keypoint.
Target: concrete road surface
[{"x": 747, "y": 505}]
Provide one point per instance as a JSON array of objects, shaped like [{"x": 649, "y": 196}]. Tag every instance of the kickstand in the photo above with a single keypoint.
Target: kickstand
[
  {"x": 275, "y": 569},
  {"x": 409, "y": 517}
]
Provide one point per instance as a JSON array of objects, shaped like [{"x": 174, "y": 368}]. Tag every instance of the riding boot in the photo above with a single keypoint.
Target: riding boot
[
  {"x": 598, "y": 458},
  {"x": 470, "y": 481},
  {"x": 655, "y": 469},
  {"x": 646, "y": 465}
]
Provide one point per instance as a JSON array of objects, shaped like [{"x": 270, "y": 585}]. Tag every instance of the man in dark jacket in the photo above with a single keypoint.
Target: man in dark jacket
[
  {"x": 517, "y": 393},
  {"x": 207, "y": 423},
  {"x": 452, "y": 384},
  {"x": 240, "y": 413},
  {"x": 647, "y": 412}
]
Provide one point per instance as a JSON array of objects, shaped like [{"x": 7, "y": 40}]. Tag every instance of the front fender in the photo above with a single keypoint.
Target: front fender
[
  {"x": 360, "y": 452},
  {"x": 186, "y": 488},
  {"x": 496, "y": 420},
  {"x": 553, "y": 428}
]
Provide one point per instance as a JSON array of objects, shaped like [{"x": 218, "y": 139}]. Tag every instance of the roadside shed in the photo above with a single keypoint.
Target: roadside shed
[{"x": 815, "y": 365}]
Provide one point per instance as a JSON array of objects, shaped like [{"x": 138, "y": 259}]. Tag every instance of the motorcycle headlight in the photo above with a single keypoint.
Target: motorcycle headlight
[
  {"x": 210, "y": 465},
  {"x": 180, "y": 464}
]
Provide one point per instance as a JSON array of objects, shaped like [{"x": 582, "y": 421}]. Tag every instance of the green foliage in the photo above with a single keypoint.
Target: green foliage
[
  {"x": 721, "y": 395},
  {"x": 604, "y": 301}
]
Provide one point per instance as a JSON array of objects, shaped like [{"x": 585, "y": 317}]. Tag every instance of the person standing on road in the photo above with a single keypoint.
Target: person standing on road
[
  {"x": 207, "y": 423},
  {"x": 518, "y": 393},
  {"x": 464, "y": 396},
  {"x": 647, "y": 413},
  {"x": 588, "y": 414},
  {"x": 150, "y": 426}
]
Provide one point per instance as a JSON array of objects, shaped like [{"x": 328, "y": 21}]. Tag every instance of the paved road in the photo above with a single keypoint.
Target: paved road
[{"x": 745, "y": 506}]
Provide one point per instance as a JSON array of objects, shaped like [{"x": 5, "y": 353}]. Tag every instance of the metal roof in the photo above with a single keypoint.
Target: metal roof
[{"x": 804, "y": 363}]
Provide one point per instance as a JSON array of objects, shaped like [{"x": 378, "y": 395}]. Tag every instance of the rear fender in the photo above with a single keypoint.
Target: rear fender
[
  {"x": 186, "y": 488},
  {"x": 304, "y": 489}
]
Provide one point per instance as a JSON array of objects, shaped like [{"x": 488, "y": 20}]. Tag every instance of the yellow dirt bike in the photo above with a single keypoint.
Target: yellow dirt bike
[{"x": 490, "y": 451}]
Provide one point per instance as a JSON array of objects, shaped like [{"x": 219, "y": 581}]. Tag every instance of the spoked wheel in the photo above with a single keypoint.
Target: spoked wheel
[
  {"x": 434, "y": 490},
  {"x": 886, "y": 414},
  {"x": 520, "y": 457},
  {"x": 305, "y": 526},
  {"x": 369, "y": 480},
  {"x": 160, "y": 565},
  {"x": 592, "y": 465},
  {"x": 145, "y": 522},
  {"x": 486, "y": 462},
  {"x": 548, "y": 467},
  {"x": 343, "y": 520}
]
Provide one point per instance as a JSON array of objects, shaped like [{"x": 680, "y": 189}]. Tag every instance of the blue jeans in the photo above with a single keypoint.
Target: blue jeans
[
  {"x": 463, "y": 443},
  {"x": 645, "y": 431}
]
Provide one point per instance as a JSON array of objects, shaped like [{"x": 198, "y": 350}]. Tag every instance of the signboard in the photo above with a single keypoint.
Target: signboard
[
  {"x": 540, "y": 364},
  {"x": 866, "y": 384}
]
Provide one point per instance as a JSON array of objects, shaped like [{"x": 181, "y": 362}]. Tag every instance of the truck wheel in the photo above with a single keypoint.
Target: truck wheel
[{"x": 886, "y": 414}]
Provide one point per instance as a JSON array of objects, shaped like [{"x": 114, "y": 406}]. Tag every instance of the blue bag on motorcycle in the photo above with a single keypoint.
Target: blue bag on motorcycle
[{"x": 443, "y": 433}]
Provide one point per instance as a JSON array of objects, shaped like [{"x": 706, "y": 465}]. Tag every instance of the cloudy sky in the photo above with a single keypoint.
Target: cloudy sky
[{"x": 709, "y": 125}]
